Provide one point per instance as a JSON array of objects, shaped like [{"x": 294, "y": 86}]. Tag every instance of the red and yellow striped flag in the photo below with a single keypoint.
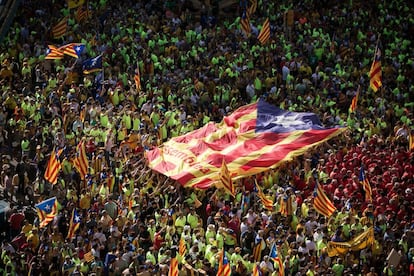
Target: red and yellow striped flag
[
  {"x": 257, "y": 250},
  {"x": 245, "y": 24},
  {"x": 286, "y": 205},
  {"x": 72, "y": 49},
  {"x": 182, "y": 248},
  {"x": 73, "y": 224},
  {"x": 53, "y": 53},
  {"x": 267, "y": 203},
  {"x": 224, "y": 265},
  {"x": 225, "y": 178},
  {"x": 80, "y": 162},
  {"x": 47, "y": 210},
  {"x": 53, "y": 166},
  {"x": 365, "y": 184},
  {"x": 264, "y": 34},
  {"x": 60, "y": 28},
  {"x": 173, "y": 271},
  {"x": 321, "y": 202},
  {"x": 375, "y": 73},
  {"x": 253, "y": 139},
  {"x": 353, "y": 106},
  {"x": 81, "y": 14},
  {"x": 274, "y": 256},
  {"x": 252, "y": 8},
  {"x": 256, "y": 271}
]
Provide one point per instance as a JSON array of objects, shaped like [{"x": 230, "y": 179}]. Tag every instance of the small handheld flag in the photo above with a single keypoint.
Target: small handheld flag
[
  {"x": 264, "y": 34},
  {"x": 47, "y": 211},
  {"x": 375, "y": 73},
  {"x": 365, "y": 184},
  {"x": 73, "y": 224},
  {"x": 321, "y": 202},
  {"x": 92, "y": 65}
]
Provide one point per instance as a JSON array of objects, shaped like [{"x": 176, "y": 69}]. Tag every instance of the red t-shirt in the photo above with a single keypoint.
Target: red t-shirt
[
  {"x": 16, "y": 220},
  {"x": 158, "y": 240}
]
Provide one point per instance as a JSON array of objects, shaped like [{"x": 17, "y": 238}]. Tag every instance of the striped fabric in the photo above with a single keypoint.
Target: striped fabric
[
  {"x": 182, "y": 248},
  {"x": 275, "y": 257},
  {"x": 81, "y": 162},
  {"x": 365, "y": 184},
  {"x": 60, "y": 28},
  {"x": 375, "y": 73},
  {"x": 225, "y": 179},
  {"x": 286, "y": 205},
  {"x": 256, "y": 271},
  {"x": 321, "y": 202},
  {"x": 72, "y": 49},
  {"x": 53, "y": 53},
  {"x": 73, "y": 224},
  {"x": 245, "y": 24},
  {"x": 267, "y": 203},
  {"x": 224, "y": 265},
  {"x": 253, "y": 139},
  {"x": 53, "y": 166},
  {"x": 81, "y": 14},
  {"x": 257, "y": 250},
  {"x": 264, "y": 34},
  {"x": 173, "y": 271},
  {"x": 353, "y": 106},
  {"x": 252, "y": 8},
  {"x": 47, "y": 211}
]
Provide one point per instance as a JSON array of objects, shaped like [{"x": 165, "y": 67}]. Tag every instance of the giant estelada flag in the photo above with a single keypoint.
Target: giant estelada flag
[{"x": 251, "y": 140}]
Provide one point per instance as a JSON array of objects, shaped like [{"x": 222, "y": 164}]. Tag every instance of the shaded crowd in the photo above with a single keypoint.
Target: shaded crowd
[{"x": 196, "y": 65}]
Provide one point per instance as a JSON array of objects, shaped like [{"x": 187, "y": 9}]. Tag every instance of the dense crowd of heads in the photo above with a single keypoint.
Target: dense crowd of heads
[{"x": 196, "y": 65}]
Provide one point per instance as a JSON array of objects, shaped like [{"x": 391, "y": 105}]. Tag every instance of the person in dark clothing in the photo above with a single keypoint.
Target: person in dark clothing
[
  {"x": 20, "y": 171},
  {"x": 247, "y": 240},
  {"x": 144, "y": 237}
]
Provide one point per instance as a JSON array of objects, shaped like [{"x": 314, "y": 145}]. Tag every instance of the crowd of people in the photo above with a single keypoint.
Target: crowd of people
[{"x": 196, "y": 65}]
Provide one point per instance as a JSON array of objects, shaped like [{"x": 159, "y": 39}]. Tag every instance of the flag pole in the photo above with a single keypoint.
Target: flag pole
[
  {"x": 376, "y": 47},
  {"x": 375, "y": 53},
  {"x": 103, "y": 75}
]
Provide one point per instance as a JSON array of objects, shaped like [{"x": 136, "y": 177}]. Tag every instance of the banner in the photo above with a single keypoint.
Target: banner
[
  {"x": 358, "y": 243},
  {"x": 253, "y": 139}
]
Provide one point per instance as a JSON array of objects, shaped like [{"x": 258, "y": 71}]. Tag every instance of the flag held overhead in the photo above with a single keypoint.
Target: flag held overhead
[
  {"x": 322, "y": 203},
  {"x": 54, "y": 52},
  {"x": 252, "y": 140},
  {"x": 60, "y": 28},
  {"x": 264, "y": 34},
  {"x": 92, "y": 65},
  {"x": 375, "y": 73},
  {"x": 47, "y": 211}
]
